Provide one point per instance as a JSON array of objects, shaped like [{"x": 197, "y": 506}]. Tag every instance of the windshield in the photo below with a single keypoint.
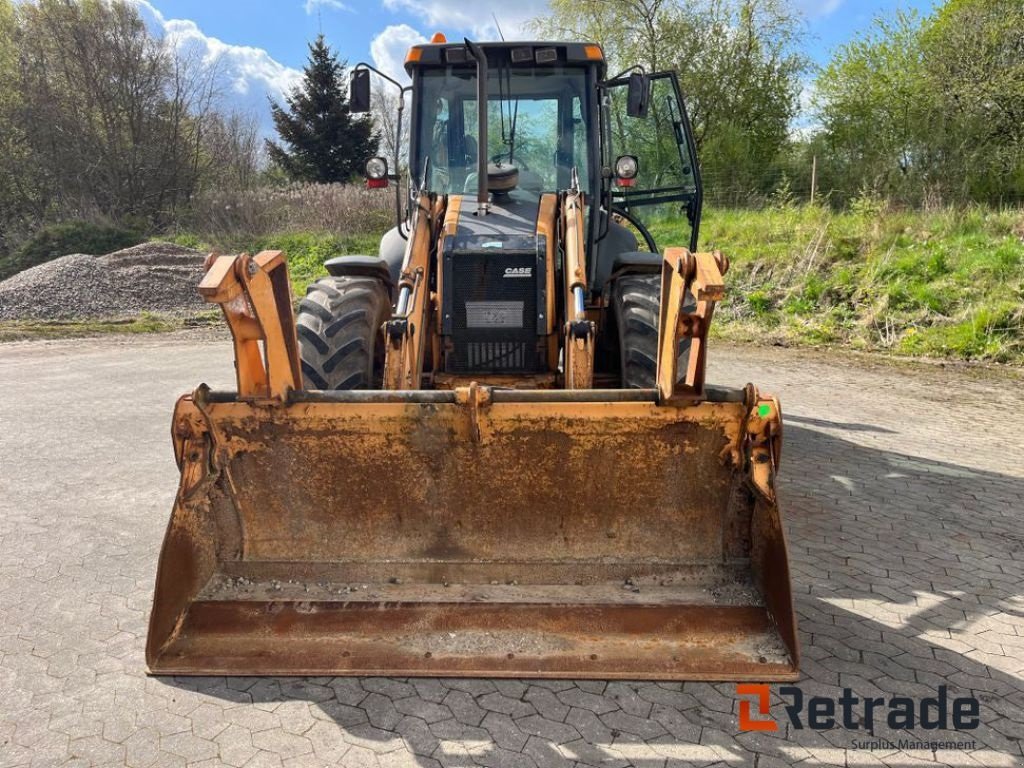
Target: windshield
[{"x": 536, "y": 119}]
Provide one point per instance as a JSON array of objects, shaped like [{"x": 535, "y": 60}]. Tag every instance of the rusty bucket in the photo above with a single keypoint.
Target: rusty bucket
[{"x": 475, "y": 532}]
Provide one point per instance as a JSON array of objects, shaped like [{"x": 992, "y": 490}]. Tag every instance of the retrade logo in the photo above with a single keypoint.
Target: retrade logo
[
  {"x": 747, "y": 722},
  {"x": 899, "y": 713}
]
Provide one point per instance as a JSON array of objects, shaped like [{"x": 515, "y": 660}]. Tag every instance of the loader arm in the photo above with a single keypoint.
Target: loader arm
[
  {"x": 684, "y": 275},
  {"x": 408, "y": 330},
  {"x": 254, "y": 293},
  {"x": 579, "y": 330}
]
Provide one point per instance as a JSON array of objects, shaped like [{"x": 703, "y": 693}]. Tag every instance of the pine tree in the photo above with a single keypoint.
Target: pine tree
[{"x": 323, "y": 141}]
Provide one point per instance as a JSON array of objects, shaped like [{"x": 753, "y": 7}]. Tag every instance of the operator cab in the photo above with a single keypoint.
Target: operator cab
[{"x": 551, "y": 113}]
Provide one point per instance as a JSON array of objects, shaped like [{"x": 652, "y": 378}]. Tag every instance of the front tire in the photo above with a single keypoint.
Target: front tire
[
  {"x": 339, "y": 325},
  {"x": 637, "y": 301}
]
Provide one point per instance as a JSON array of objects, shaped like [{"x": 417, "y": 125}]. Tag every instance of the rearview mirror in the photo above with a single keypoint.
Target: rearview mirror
[
  {"x": 359, "y": 91},
  {"x": 638, "y": 98}
]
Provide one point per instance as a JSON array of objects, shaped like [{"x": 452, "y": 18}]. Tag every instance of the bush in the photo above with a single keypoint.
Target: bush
[
  {"x": 338, "y": 209},
  {"x": 59, "y": 240}
]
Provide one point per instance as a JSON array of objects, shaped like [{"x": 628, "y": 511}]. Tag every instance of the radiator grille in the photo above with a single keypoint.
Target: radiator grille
[{"x": 491, "y": 308}]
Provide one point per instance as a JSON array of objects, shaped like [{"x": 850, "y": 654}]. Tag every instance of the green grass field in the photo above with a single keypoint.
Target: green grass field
[{"x": 942, "y": 284}]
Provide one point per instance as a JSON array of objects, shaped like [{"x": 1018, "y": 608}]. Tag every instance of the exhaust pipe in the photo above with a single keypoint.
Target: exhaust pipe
[{"x": 482, "y": 196}]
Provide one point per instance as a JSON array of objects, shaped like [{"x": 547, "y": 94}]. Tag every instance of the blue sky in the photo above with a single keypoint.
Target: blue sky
[{"x": 261, "y": 44}]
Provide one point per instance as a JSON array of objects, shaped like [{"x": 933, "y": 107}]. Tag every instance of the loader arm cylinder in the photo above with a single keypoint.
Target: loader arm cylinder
[
  {"x": 402, "y": 307},
  {"x": 580, "y": 302}
]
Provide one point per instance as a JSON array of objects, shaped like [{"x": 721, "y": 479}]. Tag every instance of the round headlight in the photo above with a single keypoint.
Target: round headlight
[
  {"x": 376, "y": 168},
  {"x": 626, "y": 167}
]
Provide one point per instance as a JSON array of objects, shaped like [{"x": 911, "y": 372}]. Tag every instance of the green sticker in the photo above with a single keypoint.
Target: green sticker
[{"x": 764, "y": 410}]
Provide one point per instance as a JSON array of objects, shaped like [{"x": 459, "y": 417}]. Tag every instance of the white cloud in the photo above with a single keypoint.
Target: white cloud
[
  {"x": 241, "y": 67},
  {"x": 388, "y": 49},
  {"x": 818, "y": 9},
  {"x": 312, "y": 6},
  {"x": 476, "y": 17},
  {"x": 247, "y": 74}
]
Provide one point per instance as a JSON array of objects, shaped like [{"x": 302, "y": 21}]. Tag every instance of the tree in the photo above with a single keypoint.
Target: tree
[
  {"x": 737, "y": 60},
  {"x": 384, "y": 103},
  {"x": 112, "y": 118},
  {"x": 973, "y": 52},
  {"x": 19, "y": 192},
  {"x": 875, "y": 107},
  {"x": 323, "y": 141},
  {"x": 930, "y": 107}
]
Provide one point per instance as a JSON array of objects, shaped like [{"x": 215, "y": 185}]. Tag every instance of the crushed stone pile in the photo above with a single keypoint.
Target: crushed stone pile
[{"x": 151, "y": 277}]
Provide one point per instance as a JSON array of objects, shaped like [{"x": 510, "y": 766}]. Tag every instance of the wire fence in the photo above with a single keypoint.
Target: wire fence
[{"x": 817, "y": 180}]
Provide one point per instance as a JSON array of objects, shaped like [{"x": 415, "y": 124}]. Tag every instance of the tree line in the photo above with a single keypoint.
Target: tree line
[
  {"x": 918, "y": 109},
  {"x": 99, "y": 119},
  {"x": 102, "y": 119}
]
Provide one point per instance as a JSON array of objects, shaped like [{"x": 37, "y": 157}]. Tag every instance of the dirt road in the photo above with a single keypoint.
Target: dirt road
[{"x": 903, "y": 492}]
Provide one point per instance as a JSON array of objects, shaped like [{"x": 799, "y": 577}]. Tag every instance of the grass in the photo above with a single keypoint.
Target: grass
[
  {"x": 28, "y": 330},
  {"x": 948, "y": 283},
  {"x": 306, "y": 251}
]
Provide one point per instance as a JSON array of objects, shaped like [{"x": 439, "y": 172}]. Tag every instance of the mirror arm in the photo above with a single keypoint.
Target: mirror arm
[{"x": 635, "y": 68}]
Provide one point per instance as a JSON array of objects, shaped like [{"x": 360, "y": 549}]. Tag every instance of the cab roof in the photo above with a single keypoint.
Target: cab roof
[{"x": 526, "y": 53}]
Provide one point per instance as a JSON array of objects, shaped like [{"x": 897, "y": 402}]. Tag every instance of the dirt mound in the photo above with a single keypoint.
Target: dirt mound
[{"x": 151, "y": 277}]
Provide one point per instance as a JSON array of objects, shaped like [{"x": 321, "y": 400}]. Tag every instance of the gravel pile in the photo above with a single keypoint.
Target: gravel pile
[{"x": 151, "y": 277}]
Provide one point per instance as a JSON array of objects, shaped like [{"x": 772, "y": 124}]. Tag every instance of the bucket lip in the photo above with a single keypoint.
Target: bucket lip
[{"x": 712, "y": 394}]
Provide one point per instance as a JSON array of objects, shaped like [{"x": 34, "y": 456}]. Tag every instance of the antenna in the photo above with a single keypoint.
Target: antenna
[{"x": 495, "y": 17}]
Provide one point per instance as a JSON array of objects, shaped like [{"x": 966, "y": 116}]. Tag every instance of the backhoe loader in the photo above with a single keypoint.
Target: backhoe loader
[{"x": 488, "y": 450}]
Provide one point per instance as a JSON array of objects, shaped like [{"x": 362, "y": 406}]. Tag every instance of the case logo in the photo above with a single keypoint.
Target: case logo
[{"x": 518, "y": 271}]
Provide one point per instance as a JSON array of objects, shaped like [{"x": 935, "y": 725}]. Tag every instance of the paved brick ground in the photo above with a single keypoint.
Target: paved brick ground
[{"x": 903, "y": 494}]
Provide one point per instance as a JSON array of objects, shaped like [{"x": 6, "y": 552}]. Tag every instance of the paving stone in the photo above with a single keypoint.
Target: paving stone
[
  {"x": 591, "y": 754},
  {"x": 550, "y": 730},
  {"x": 235, "y": 745},
  {"x": 374, "y": 739},
  {"x": 906, "y": 557},
  {"x": 497, "y": 702},
  {"x": 381, "y": 711},
  {"x": 504, "y": 731},
  {"x": 592, "y": 702},
  {"x": 423, "y": 709},
  {"x": 545, "y": 754},
  {"x": 627, "y": 696},
  {"x": 280, "y": 742},
  {"x": 546, "y": 702},
  {"x": 638, "y": 726},
  {"x": 328, "y": 744},
  {"x": 191, "y": 747},
  {"x": 463, "y": 706},
  {"x": 418, "y": 737}
]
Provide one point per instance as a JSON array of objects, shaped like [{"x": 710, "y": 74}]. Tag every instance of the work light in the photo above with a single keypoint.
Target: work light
[{"x": 626, "y": 167}]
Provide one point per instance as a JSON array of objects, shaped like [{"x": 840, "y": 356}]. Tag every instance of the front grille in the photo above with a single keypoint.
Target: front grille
[{"x": 491, "y": 301}]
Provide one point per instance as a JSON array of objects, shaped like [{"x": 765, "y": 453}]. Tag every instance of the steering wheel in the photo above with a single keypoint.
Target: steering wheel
[
  {"x": 638, "y": 225},
  {"x": 518, "y": 163}
]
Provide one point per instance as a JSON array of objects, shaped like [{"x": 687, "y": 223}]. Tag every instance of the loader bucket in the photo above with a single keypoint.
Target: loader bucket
[{"x": 475, "y": 532}]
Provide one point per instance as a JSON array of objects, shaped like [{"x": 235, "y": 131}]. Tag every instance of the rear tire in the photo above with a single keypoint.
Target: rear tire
[
  {"x": 637, "y": 301},
  {"x": 340, "y": 333}
]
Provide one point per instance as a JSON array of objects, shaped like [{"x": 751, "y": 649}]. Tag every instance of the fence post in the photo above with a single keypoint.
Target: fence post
[{"x": 814, "y": 176}]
